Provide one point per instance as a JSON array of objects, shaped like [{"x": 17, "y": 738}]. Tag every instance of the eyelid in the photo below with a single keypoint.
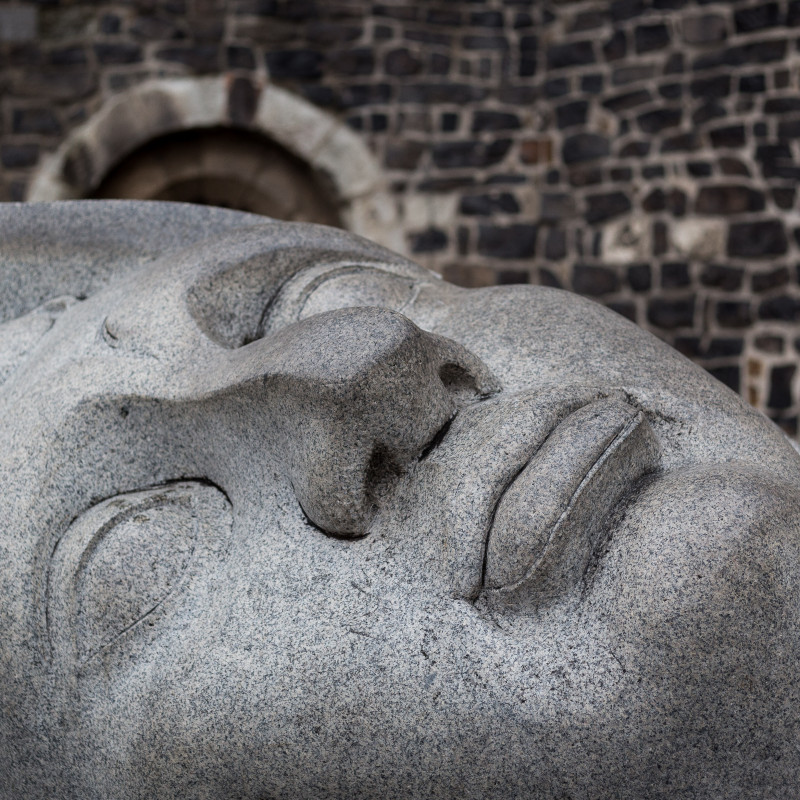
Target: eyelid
[
  {"x": 124, "y": 560},
  {"x": 305, "y": 294}
]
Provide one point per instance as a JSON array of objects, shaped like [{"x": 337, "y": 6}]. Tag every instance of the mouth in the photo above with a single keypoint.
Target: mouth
[{"x": 551, "y": 516}]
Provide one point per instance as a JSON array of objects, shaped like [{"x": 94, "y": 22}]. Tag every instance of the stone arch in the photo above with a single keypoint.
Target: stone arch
[{"x": 161, "y": 107}]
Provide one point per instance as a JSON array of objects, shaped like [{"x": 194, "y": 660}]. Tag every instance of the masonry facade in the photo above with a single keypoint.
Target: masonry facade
[{"x": 645, "y": 153}]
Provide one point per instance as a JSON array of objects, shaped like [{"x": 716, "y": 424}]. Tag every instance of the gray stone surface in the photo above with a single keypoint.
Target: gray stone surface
[{"x": 286, "y": 516}]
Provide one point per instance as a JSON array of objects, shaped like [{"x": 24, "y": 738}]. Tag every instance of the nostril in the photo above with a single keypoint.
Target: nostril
[{"x": 459, "y": 382}]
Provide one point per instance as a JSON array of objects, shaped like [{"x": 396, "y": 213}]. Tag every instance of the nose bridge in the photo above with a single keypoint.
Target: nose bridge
[{"x": 352, "y": 396}]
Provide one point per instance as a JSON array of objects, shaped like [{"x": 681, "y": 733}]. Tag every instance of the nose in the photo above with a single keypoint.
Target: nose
[{"x": 352, "y": 397}]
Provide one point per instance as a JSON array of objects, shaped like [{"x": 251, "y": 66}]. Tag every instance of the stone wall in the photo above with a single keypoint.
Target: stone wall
[{"x": 642, "y": 152}]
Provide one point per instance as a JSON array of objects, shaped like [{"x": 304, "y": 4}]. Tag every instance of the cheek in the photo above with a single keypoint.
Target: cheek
[{"x": 698, "y": 593}]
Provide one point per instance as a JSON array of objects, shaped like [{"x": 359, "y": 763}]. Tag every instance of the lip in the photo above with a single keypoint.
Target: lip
[{"x": 549, "y": 519}]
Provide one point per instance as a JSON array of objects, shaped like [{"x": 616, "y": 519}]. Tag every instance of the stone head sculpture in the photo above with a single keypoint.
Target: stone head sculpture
[{"x": 286, "y": 516}]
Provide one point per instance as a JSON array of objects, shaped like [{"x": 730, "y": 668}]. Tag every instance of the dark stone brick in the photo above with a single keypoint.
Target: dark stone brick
[
  {"x": 621, "y": 102},
  {"x": 487, "y": 19},
  {"x": 782, "y": 78},
  {"x": 734, "y": 314},
  {"x": 428, "y": 241},
  {"x": 148, "y": 28},
  {"x": 523, "y": 19},
  {"x": 671, "y": 314},
  {"x": 67, "y": 57},
  {"x": 594, "y": 281},
  {"x": 708, "y": 111},
  {"x": 587, "y": 21},
  {"x": 729, "y": 279},
  {"x": 621, "y": 76},
  {"x": 623, "y": 308},
  {"x": 660, "y": 242},
  {"x": 650, "y": 171},
  {"x": 454, "y": 155},
  {"x": 651, "y": 37},
  {"x": 764, "y": 52},
  {"x": 729, "y": 136},
  {"x": 760, "y": 130},
  {"x": 729, "y": 375},
  {"x": 201, "y": 58},
  {"x": 793, "y": 14},
  {"x": 517, "y": 95},
  {"x": 621, "y": 10},
  {"x": 403, "y": 153},
  {"x": 585, "y": 176},
  {"x": 402, "y": 62},
  {"x": 353, "y": 61},
  {"x": 681, "y": 143},
  {"x": 556, "y": 87},
  {"x": 704, "y": 29},
  {"x": 501, "y": 178},
  {"x": 356, "y": 123},
  {"x": 659, "y": 120},
  {"x": 485, "y": 42},
  {"x": 511, "y": 277},
  {"x": 759, "y": 239},
  {"x": 429, "y": 37},
  {"x": 240, "y": 57},
  {"x": 528, "y": 52},
  {"x": 699, "y": 169},
  {"x": 640, "y": 277},
  {"x": 328, "y": 33},
  {"x": 669, "y": 5},
  {"x": 584, "y": 147},
  {"x": 789, "y": 129},
  {"x": 378, "y": 123},
  {"x": 292, "y": 63},
  {"x": 511, "y": 241},
  {"x": 494, "y": 121},
  {"x": 732, "y": 166},
  {"x": 242, "y": 101},
  {"x": 724, "y": 348},
  {"x": 780, "y": 386},
  {"x": 782, "y": 105},
  {"x": 571, "y": 114},
  {"x": 673, "y": 201},
  {"x": 784, "y": 197},
  {"x": 383, "y": 32},
  {"x": 446, "y": 184},
  {"x": 777, "y": 161},
  {"x": 621, "y": 174},
  {"x": 635, "y": 150},
  {"x": 688, "y": 346},
  {"x": 716, "y": 87},
  {"x": 670, "y": 91},
  {"x": 439, "y": 64},
  {"x": 573, "y": 54},
  {"x": 449, "y": 121},
  {"x": 756, "y": 18},
  {"x": 445, "y": 92},
  {"x": 16, "y": 156},
  {"x": 602, "y": 207},
  {"x": 592, "y": 84},
  {"x": 118, "y": 53},
  {"x": 487, "y": 204},
  {"x": 674, "y": 65},
  {"x": 729, "y": 199},
  {"x": 764, "y": 281},
  {"x": 556, "y": 207},
  {"x": 355, "y": 95},
  {"x": 35, "y": 120},
  {"x": 547, "y": 278},
  {"x": 440, "y": 16},
  {"x": 780, "y": 309},
  {"x": 752, "y": 84},
  {"x": 616, "y": 47},
  {"x": 675, "y": 274},
  {"x": 555, "y": 246},
  {"x": 109, "y": 24}
]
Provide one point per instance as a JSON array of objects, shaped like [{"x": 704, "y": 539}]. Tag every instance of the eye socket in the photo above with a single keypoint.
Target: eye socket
[{"x": 119, "y": 564}]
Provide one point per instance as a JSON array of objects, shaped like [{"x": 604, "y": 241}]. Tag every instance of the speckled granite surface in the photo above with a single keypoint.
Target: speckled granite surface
[{"x": 286, "y": 516}]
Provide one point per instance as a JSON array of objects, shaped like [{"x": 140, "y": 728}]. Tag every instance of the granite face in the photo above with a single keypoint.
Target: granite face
[{"x": 287, "y": 516}]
